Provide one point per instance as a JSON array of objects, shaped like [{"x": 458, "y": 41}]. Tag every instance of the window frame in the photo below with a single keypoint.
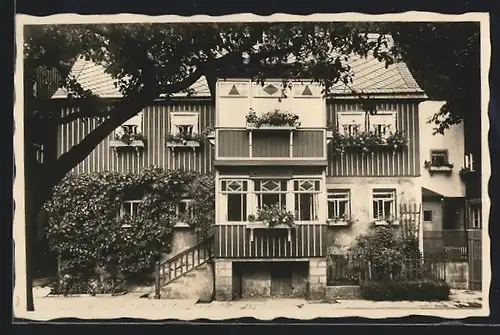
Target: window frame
[
  {"x": 315, "y": 197},
  {"x": 282, "y": 194},
  {"x": 439, "y": 151},
  {"x": 194, "y": 122},
  {"x": 244, "y": 198},
  {"x": 347, "y": 199},
  {"x": 122, "y": 212},
  {"x": 393, "y": 199},
  {"x": 393, "y": 127},
  {"x": 431, "y": 215},
  {"x": 341, "y": 125},
  {"x": 135, "y": 123}
]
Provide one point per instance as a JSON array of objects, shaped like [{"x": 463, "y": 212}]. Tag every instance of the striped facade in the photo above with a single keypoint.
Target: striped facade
[
  {"x": 235, "y": 143},
  {"x": 381, "y": 164},
  {"x": 238, "y": 241},
  {"x": 155, "y": 127}
]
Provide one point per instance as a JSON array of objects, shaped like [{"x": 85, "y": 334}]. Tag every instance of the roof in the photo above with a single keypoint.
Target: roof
[
  {"x": 93, "y": 77},
  {"x": 427, "y": 193},
  {"x": 370, "y": 76}
]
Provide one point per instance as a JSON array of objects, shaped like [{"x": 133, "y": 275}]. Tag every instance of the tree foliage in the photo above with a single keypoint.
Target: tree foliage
[{"x": 87, "y": 230}]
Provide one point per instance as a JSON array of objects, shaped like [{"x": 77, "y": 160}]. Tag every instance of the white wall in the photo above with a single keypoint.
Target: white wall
[
  {"x": 449, "y": 185},
  {"x": 232, "y": 109}
]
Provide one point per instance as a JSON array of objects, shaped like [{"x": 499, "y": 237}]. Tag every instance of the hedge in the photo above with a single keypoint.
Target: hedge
[{"x": 425, "y": 290}]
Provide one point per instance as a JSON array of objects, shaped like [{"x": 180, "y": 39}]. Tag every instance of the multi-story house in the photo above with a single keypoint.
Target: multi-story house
[{"x": 333, "y": 196}]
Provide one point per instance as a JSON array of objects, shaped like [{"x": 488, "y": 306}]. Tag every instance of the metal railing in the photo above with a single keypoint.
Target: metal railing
[{"x": 182, "y": 263}]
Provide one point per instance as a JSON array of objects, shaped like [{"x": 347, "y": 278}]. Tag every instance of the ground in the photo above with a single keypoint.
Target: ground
[{"x": 461, "y": 304}]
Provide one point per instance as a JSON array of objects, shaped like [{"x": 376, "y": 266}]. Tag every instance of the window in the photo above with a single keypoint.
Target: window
[
  {"x": 475, "y": 217},
  {"x": 129, "y": 208},
  {"x": 469, "y": 162},
  {"x": 234, "y": 196},
  {"x": 439, "y": 157},
  {"x": 338, "y": 203},
  {"x": 384, "y": 203},
  {"x": 270, "y": 192},
  {"x": 306, "y": 192},
  {"x": 351, "y": 123},
  {"x": 184, "y": 209},
  {"x": 131, "y": 126},
  {"x": 183, "y": 123},
  {"x": 383, "y": 123},
  {"x": 427, "y": 215}
]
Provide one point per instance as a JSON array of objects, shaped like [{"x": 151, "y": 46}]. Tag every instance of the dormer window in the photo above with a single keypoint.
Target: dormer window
[
  {"x": 351, "y": 123},
  {"x": 184, "y": 123}
]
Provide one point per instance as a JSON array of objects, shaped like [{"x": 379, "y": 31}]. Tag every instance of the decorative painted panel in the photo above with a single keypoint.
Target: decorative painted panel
[
  {"x": 404, "y": 163},
  {"x": 155, "y": 128},
  {"x": 234, "y": 241}
]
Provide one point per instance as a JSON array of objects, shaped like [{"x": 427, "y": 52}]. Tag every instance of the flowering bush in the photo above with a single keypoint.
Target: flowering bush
[
  {"x": 275, "y": 118},
  {"x": 273, "y": 215},
  {"x": 87, "y": 233},
  {"x": 129, "y": 137},
  {"x": 385, "y": 251},
  {"x": 367, "y": 141}
]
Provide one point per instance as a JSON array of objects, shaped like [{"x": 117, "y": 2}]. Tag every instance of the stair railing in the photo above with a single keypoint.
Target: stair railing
[{"x": 186, "y": 261}]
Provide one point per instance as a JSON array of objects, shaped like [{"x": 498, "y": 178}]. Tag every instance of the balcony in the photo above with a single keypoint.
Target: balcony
[{"x": 283, "y": 146}]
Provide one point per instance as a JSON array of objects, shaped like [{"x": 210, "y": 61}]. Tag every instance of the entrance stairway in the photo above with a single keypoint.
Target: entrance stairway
[{"x": 188, "y": 274}]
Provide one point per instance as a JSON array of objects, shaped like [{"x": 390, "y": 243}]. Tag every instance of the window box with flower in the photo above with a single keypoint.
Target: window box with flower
[
  {"x": 184, "y": 140},
  {"x": 438, "y": 168},
  {"x": 272, "y": 217},
  {"x": 340, "y": 221},
  {"x": 275, "y": 120},
  {"x": 126, "y": 140},
  {"x": 388, "y": 220},
  {"x": 366, "y": 142},
  {"x": 465, "y": 172}
]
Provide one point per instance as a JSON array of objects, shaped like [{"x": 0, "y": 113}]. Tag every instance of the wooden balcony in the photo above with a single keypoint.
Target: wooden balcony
[
  {"x": 282, "y": 145},
  {"x": 240, "y": 241}
]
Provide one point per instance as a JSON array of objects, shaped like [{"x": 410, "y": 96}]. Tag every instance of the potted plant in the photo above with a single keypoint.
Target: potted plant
[
  {"x": 341, "y": 220},
  {"x": 273, "y": 120},
  {"x": 273, "y": 216}
]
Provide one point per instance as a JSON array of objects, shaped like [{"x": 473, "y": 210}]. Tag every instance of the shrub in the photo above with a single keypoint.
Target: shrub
[
  {"x": 405, "y": 290},
  {"x": 89, "y": 236}
]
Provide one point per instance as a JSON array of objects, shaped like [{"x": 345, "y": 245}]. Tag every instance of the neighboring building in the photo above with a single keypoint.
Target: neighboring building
[
  {"x": 443, "y": 157},
  {"x": 293, "y": 166}
]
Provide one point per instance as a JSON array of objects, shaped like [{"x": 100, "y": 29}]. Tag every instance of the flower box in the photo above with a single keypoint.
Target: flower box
[
  {"x": 382, "y": 222},
  {"x": 252, "y": 126},
  {"x": 135, "y": 144},
  {"x": 339, "y": 223},
  {"x": 183, "y": 144},
  {"x": 444, "y": 168}
]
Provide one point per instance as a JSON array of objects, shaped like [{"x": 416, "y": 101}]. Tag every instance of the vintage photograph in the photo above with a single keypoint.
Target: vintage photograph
[{"x": 217, "y": 168}]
